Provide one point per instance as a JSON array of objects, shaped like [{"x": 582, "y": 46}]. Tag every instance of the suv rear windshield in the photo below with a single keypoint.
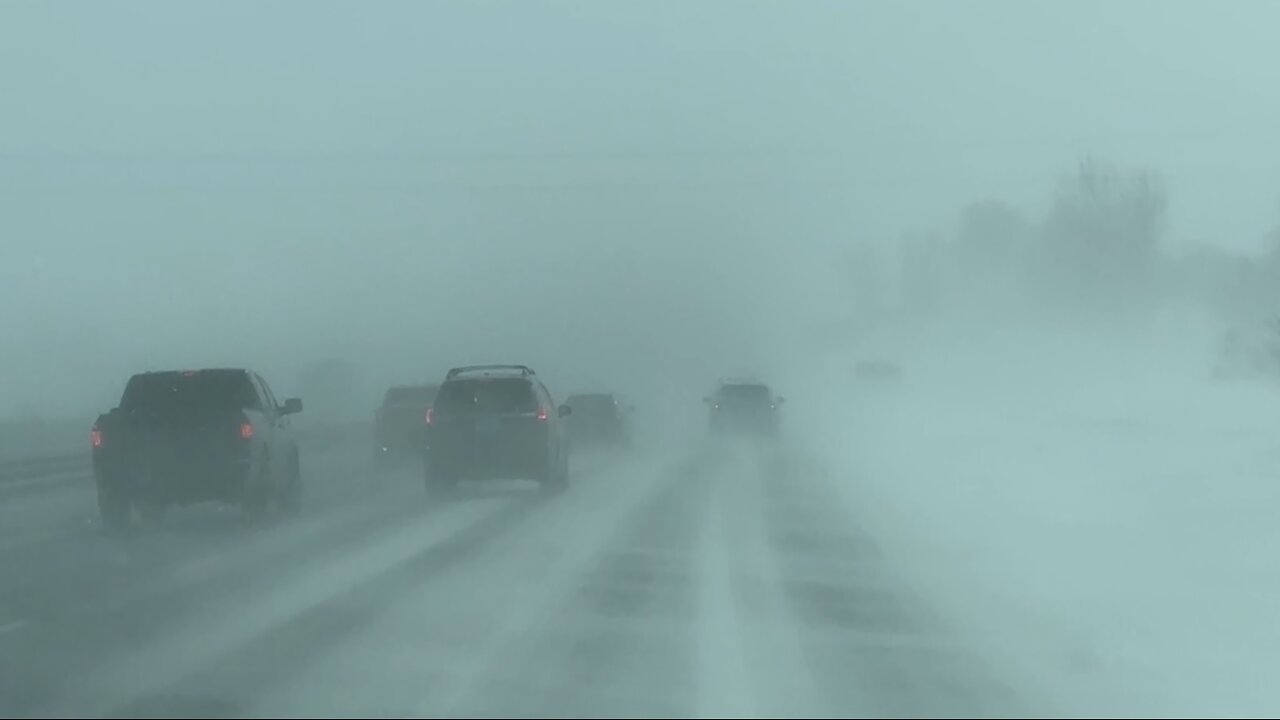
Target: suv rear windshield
[
  {"x": 416, "y": 396},
  {"x": 201, "y": 391},
  {"x": 745, "y": 393},
  {"x": 502, "y": 395}
]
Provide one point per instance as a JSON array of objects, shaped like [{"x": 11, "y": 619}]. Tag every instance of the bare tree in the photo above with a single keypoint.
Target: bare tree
[
  {"x": 1104, "y": 230},
  {"x": 990, "y": 257},
  {"x": 992, "y": 229},
  {"x": 924, "y": 279}
]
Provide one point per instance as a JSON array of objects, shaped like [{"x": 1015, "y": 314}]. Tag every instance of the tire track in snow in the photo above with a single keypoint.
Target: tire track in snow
[
  {"x": 873, "y": 646},
  {"x": 615, "y": 636}
]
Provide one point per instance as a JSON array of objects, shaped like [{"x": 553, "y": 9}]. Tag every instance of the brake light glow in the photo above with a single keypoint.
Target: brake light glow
[
  {"x": 95, "y": 437},
  {"x": 542, "y": 413},
  {"x": 431, "y": 415},
  {"x": 246, "y": 430}
]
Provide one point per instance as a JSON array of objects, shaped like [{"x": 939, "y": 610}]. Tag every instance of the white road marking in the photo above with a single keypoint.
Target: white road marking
[
  {"x": 778, "y": 637},
  {"x": 724, "y": 687},
  {"x": 511, "y": 628},
  {"x": 292, "y": 594},
  {"x": 12, "y": 626}
]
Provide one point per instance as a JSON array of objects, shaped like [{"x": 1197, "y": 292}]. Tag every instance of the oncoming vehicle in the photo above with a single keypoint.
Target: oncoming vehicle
[
  {"x": 744, "y": 406},
  {"x": 400, "y": 425},
  {"x": 600, "y": 418},
  {"x": 493, "y": 422},
  {"x": 185, "y": 437}
]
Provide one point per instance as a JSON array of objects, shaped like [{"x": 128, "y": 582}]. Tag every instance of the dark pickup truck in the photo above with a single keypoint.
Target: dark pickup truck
[{"x": 182, "y": 437}]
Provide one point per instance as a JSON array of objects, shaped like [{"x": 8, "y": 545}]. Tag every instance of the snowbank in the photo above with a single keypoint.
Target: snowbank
[{"x": 1098, "y": 515}]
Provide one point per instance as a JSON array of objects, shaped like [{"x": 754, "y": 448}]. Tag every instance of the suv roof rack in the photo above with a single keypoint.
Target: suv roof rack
[{"x": 524, "y": 370}]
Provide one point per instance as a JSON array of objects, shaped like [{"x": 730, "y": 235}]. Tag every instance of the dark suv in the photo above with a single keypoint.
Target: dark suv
[
  {"x": 400, "y": 425},
  {"x": 600, "y": 418},
  {"x": 493, "y": 422},
  {"x": 743, "y": 406}
]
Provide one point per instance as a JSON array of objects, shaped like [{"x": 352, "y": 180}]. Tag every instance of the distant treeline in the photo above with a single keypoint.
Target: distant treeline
[{"x": 1099, "y": 250}]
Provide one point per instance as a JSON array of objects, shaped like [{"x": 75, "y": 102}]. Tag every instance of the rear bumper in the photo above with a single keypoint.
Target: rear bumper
[
  {"x": 746, "y": 424},
  {"x": 484, "y": 447},
  {"x": 400, "y": 447},
  {"x": 598, "y": 435},
  {"x": 401, "y": 440},
  {"x": 489, "y": 463},
  {"x": 180, "y": 482}
]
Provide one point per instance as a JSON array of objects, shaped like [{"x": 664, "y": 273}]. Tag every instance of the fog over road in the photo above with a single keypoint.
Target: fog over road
[
  {"x": 711, "y": 579},
  {"x": 1010, "y": 271}
]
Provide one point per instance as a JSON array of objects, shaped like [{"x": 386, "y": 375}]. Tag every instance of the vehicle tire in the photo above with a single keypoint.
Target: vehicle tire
[
  {"x": 291, "y": 493},
  {"x": 253, "y": 506},
  {"x": 255, "y": 499},
  {"x": 439, "y": 482},
  {"x": 557, "y": 475},
  {"x": 114, "y": 508},
  {"x": 152, "y": 512}
]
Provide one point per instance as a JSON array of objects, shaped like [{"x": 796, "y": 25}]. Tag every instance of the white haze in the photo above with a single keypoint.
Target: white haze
[{"x": 645, "y": 196}]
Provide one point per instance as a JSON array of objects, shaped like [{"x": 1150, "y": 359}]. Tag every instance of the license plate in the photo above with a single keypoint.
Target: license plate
[{"x": 487, "y": 425}]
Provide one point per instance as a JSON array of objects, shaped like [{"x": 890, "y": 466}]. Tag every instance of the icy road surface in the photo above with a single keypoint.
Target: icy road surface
[{"x": 706, "y": 580}]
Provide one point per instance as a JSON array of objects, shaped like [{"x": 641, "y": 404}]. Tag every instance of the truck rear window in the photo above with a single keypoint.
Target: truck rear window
[
  {"x": 504, "y": 395},
  {"x": 745, "y": 393},
  {"x": 411, "y": 396},
  {"x": 210, "y": 391}
]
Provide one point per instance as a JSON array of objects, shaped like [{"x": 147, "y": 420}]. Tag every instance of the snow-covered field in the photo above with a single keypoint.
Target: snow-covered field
[{"x": 1099, "y": 514}]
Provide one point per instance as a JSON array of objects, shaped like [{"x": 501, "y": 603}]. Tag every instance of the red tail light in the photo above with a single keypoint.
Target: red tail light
[
  {"x": 542, "y": 413},
  {"x": 95, "y": 437},
  {"x": 431, "y": 415},
  {"x": 246, "y": 430}
]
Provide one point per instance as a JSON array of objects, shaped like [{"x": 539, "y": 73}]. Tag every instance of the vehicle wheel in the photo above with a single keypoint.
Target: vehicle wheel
[
  {"x": 557, "y": 478},
  {"x": 256, "y": 497},
  {"x": 291, "y": 494},
  {"x": 438, "y": 482},
  {"x": 385, "y": 460},
  {"x": 152, "y": 512},
  {"x": 114, "y": 508},
  {"x": 254, "y": 505}
]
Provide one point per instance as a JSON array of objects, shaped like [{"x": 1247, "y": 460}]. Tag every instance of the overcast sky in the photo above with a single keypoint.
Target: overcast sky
[{"x": 832, "y": 119}]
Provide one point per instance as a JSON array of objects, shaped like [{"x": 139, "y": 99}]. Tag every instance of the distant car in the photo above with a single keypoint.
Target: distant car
[
  {"x": 400, "y": 425},
  {"x": 1250, "y": 351},
  {"x": 746, "y": 407},
  {"x": 185, "y": 437},
  {"x": 493, "y": 422},
  {"x": 600, "y": 419}
]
